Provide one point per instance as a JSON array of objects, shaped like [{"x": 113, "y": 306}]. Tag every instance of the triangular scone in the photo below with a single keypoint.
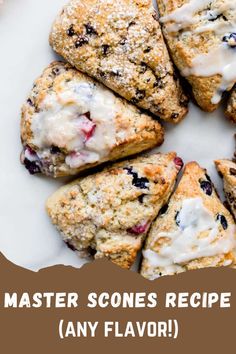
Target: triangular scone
[
  {"x": 227, "y": 170},
  {"x": 71, "y": 123},
  {"x": 231, "y": 106},
  {"x": 108, "y": 214},
  {"x": 120, "y": 43},
  {"x": 196, "y": 231},
  {"x": 201, "y": 38}
]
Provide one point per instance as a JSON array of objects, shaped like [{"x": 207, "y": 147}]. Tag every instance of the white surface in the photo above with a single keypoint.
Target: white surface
[{"x": 26, "y": 234}]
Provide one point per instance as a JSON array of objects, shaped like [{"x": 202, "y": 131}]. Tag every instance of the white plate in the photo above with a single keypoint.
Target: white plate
[{"x": 26, "y": 234}]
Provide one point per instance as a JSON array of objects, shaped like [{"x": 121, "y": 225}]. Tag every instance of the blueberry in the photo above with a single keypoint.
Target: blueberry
[
  {"x": 90, "y": 29},
  {"x": 55, "y": 150},
  {"x": 139, "y": 182},
  {"x": 232, "y": 171},
  {"x": 222, "y": 220},
  {"x": 123, "y": 41},
  {"x": 33, "y": 167},
  {"x": 88, "y": 115},
  {"x": 132, "y": 23},
  {"x": 116, "y": 72},
  {"x": 134, "y": 100},
  {"x": 230, "y": 39},
  {"x": 141, "y": 197},
  {"x": 70, "y": 32},
  {"x": 213, "y": 16},
  {"x": 147, "y": 50},
  {"x": 174, "y": 115},
  {"x": 81, "y": 40},
  {"x": 230, "y": 197},
  {"x": 177, "y": 219},
  {"x": 70, "y": 246},
  {"x": 91, "y": 251},
  {"x": 105, "y": 49},
  {"x": 102, "y": 74},
  {"x": 140, "y": 94},
  {"x": 158, "y": 83},
  {"x": 56, "y": 71},
  {"x": 206, "y": 187},
  {"x": 143, "y": 68},
  {"x": 30, "y": 102}
]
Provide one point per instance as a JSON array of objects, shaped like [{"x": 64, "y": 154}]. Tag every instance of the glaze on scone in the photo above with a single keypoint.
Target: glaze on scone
[
  {"x": 196, "y": 231},
  {"x": 201, "y": 35},
  {"x": 231, "y": 106},
  {"x": 108, "y": 214},
  {"x": 71, "y": 123},
  {"x": 227, "y": 170},
  {"x": 120, "y": 44}
]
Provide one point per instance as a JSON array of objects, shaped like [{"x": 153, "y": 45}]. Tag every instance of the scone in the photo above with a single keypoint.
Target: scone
[
  {"x": 201, "y": 38},
  {"x": 196, "y": 231},
  {"x": 108, "y": 214},
  {"x": 227, "y": 170},
  {"x": 231, "y": 106},
  {"x": 71, "y": 123},
  {"x": 120, "y": 44}
]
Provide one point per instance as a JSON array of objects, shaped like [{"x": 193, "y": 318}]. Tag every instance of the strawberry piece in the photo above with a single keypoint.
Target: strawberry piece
[
  {"x": 178, "y": 163},
  {"x": 87, "y": 127},
  {"x": 139, "y": 229}
]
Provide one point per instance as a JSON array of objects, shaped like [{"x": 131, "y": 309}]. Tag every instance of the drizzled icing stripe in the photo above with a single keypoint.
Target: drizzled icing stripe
[{"x": 220, "y": 60}]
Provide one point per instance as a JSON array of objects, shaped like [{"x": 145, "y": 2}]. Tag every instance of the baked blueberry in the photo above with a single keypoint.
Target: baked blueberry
[
  {"x": 230, "y": 39},
  {"x": 206, "y": 187},
  {"x": 81, "y": 40},
  {"x": 232, "y": 171},
  {"x": 222, "y": 220},
  {"x": 30, "y": 102},
  {"x": 70, "y": 246},
  {"x": 55, "y": 150},
  {"x": 33, "y": 167},
  {"x": 90, "y": 29},
  {"x": 141, "y": 197},
  {"x": 177, "y": 219},
  {"x": 70, "y": 31},
  {"x": 139, "y": 182},
  {"x": 105, "y": 49}
]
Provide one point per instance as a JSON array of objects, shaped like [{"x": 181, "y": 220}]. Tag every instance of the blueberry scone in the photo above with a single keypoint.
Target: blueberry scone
[
  {"x": 196, "y": 231},
  {"x": 201, "y": 35},
  {"x": 231, "y": 106},
  {"x": 71, "y": 123},
  {"x": 227, "y": 170},
  {"x": 108, "y": 214},
  {"x": 120, "y": 44}
]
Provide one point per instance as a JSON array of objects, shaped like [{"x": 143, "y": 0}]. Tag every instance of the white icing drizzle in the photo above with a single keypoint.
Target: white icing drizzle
[
  {"x": 63, "y": 122},
  {"x": 221, "y": 59},
  {"x": 184, "y": 15},
  {"x": 196, "y": 237}
]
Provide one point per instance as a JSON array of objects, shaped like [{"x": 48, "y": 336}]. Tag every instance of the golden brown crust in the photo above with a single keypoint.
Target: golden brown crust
[
  {"x": 227, "y": 170},
  {"x": 110, "y": 212},
  {"x": 231, "y": 106},
  {"x": 120, "y": 44},
  {"x": 135, "y": 131},
  {"x": 195, "y": 183},
  {"x": 187, "y": 44}
]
